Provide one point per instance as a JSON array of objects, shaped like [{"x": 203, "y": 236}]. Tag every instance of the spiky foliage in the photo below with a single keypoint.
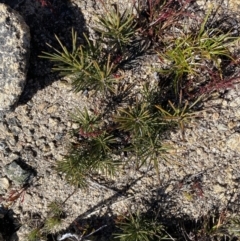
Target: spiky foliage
[
  {"x": 149, "y": 151},
  {"x": 145, "y": 130},
  {"x": 68, "y": 62},
  {"x": 34, "y": 235},
  {"x": 92, "y": 152},
  {"x": 137, "y": 119},
  {"x": 157, "y": 17},
  {"x": 118, "y": 28},
  {"x": 87, "y": 122},
  {"x": 232, "y": 226},
  {"x": 136, "y": 227},
  {"x": 55, "y": 208},
  {"x": 188, "y": 54},
  {"x": 93, "y": 157},
  {"x": 87, "y": 65},
  {"x": 75, "y": 167},
  {"x": 54, "y": 217},
  {"x": 51, "y": 224},
  {"x": 180, "y": 115}
]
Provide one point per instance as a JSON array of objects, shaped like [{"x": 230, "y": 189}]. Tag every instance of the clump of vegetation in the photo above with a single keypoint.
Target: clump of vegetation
[
  {"x": 213, "y": 226},
  {"x": 34, "y": 235},
  {"x": 136, "y": 227},
  {"x": 137, "y": 130},
  {"x": 88, "y": 66},
  {"x": 50, "y": 224},
  {"x": 193, "y": 53},
  {"x": 131, "y": 129},
  {"x": 92, "y": 152},
  {"x": 232, "y": 226},
  {"x": 116, "y": 29}
]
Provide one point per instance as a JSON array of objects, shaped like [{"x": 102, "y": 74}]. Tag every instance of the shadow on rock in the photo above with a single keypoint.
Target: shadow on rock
[{"x": 45, "y": 19}]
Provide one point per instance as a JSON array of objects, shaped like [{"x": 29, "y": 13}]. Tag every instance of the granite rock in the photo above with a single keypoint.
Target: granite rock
[{"x": 14, "y": 55}]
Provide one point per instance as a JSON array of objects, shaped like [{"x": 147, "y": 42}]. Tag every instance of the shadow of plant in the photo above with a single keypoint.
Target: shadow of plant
[{"x": 8, "y": 225}]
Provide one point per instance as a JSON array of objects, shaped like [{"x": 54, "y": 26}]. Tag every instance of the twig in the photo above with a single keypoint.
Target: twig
[
  {"x": 100, "y": 186},
  {"x": 169, "y": 235},
  {"x": 70, "y": 195},
  {"x": 96, "y": 231}
]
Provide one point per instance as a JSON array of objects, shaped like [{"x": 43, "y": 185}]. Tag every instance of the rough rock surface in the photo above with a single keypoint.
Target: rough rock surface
[{"x": 14, "y": 55}]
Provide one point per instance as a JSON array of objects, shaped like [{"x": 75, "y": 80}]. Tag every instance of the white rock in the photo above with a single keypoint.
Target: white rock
[
  {"x": 215, "y": 116},
  {"x": 4, "y": 183},
  {"x": 233, "y": 142},
  {"x": 218, "y": 189},
  {"x": 232, "y": 124},
  {"x": 237, "y": 113},
  {"x": 53, "y": 122},
  {"x": 235, "y": 103}
]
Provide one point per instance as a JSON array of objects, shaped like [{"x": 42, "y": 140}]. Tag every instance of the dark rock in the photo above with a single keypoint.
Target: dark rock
[{"x": 17, "y": 174}]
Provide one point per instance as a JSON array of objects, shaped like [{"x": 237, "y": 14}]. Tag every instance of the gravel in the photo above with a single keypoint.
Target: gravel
[{"x": 202, "y": 171}]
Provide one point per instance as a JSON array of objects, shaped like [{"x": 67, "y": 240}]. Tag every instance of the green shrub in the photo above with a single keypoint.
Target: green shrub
[
  {"x": 136, "y": 227},
  {"x": 34, "y": 235},
  {"x": 137, "y": 129},
  {"x": 189, "y": 54},
  {"x": 117, "y": 28},
  {"x": 87, "y": 66},
  {"x": 92, "y": 153},
  {"x": 49, "y": 224}
]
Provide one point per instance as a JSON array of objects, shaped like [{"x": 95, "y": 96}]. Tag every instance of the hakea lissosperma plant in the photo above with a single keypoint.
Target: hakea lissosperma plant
[
  {"x": 54, "y": 218},
  {"x": 188, "y": 54},
  {"x": 92, "y": 152},
  {"x": 94, "y": 156},
  {"x": 117, "y": 28},
  {"x": 137, "y": 227},
  {"x": 87, "y": 122},
  {"x": 68, "y": 62},
  {"x": 181, "y": 114},
  {"x": 50, "y": 224},
  {"x": 149, "y": 151},
  {"x": 232, "y": 226},
  {"x": 145, "y": 139},
  {"x": 135, "y": 119},
  {"x": 87, "y": 65},
  {"x": 34, "y": 235}
]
